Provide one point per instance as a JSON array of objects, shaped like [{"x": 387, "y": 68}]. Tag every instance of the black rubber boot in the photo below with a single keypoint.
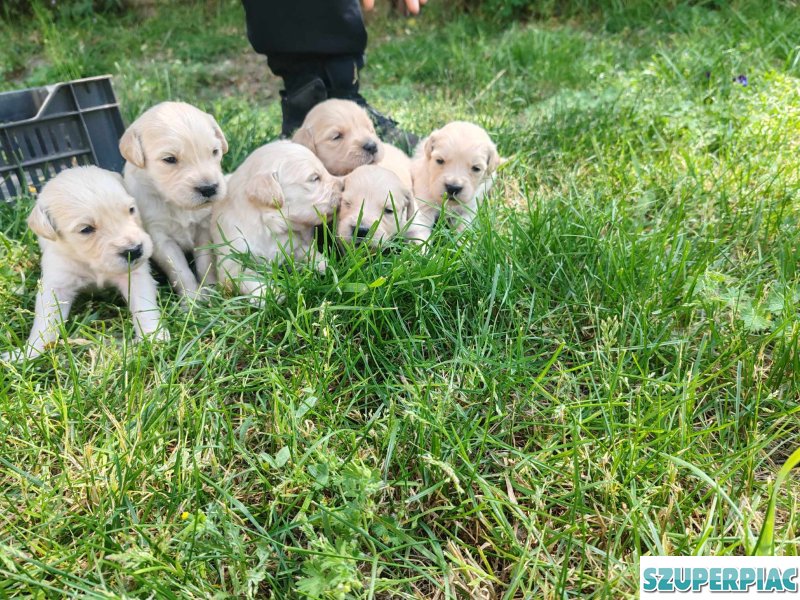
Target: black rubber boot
[
  {"x": 311, "y": 80},
  {"x": 296, "y": 104},
  {"x": 388, "y": 129}
]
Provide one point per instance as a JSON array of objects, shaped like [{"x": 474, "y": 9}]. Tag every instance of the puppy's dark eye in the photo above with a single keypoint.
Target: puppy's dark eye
[
  {"x": 314, "y": 178},
  {"x": 215, "y": 152},
  {"x": 337, "y": 136},
  {"x": 170, "y": 160},
  {"x": 388, "y": 210},
  {"x": 88, "y": 230},
  {"x": 439, "y": 161},
  {"x": 476, "y": 169},
  {"x": 132, "y": 209}
]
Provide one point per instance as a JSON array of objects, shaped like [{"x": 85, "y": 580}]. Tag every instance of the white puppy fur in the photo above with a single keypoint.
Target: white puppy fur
[
  {"x": 275, "y": 199},
  {"x": 90, "y": 234},
  {"x": 173, "y": 153},
  {"x": 452, "y": 171},
  {"x": 341, "y": 134},
  {"x": 398, "y": 163},
  {"x": 374, "y": 200}
]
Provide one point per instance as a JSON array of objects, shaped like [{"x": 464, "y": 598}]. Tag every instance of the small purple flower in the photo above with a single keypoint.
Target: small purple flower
[{"x": 741, "y": 79}]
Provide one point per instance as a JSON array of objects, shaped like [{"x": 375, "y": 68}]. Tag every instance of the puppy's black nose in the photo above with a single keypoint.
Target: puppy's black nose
[
  {"x": 453, "y": 190},
  {"x": 206, "y": 191},
  {"x": 360, "y": 233},
  {"x": 371, "y": 147},
  {"x": 132, "y": 254}
]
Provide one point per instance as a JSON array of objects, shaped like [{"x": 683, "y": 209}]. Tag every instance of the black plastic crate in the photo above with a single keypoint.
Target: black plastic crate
[{"x": 48, "y": 129}]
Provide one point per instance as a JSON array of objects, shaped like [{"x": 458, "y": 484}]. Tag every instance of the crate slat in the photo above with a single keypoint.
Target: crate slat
[{"x": 46, "y": 130}]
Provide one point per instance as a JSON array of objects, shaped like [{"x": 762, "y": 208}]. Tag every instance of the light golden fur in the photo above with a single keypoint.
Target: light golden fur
[
  {"x": 398, "y": 163},
  {"x": 341, "y": 134},
  {"x": 376, "y": 206},
  {"x": 452, "y": 171},
  {"x": 90, "y": 235},
  {"x": 173, "y": 153},
  {"x": 275, "y": 199}
]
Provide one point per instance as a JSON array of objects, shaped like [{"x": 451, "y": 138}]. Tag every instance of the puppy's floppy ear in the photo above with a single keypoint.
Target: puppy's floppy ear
[
  {"x": 345, "y": 200},
  {"x": 264, "y": 189},
  {"x": 218, "y": 133},
  {"x": 411, "y": 206},
  {"x": 130, "y": 146},
  {"x": 428, "y": 145},
  {"x": 492, "y": 159},
  {"x": 305, "y": 137},
  {"x": 40, "y": 223}
]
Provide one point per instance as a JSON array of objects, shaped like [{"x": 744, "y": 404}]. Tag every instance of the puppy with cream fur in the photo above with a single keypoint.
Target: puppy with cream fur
[
  {"x": 398, "y": 163},
  {"x": 452, "y": 171},
  {"x": 374, "y": 201},
  {"x": 341, "y": 134},
  {"x": 275, "y": 199},
  {"x": 90, "y": 235},
  {"x": 173, "y": 153}
]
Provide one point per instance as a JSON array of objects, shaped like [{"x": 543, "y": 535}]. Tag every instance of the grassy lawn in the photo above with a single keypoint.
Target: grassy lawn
[{"x": 607, "y": 367}]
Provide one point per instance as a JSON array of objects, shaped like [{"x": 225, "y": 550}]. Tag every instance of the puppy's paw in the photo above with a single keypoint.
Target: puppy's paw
[
  {"x": 206, "y": 291},
  {"x": 321, "y": 266},
  {"x": 18, "y": 356},
  {"x": 258, "y": 297},
  {"x": 12, "y": 357},
  {"x": 158, "y": 335},
  {"x": 199, "y": 296},
  {"x": 210, "y": 279}
]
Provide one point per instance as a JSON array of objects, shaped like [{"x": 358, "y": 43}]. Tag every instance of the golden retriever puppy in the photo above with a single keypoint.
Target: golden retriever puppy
[
  {"x": 376, "y": 206},
  {"x": 90, "y": 234},
  {"x": 275, "y": 199},
  {"x": 398, "y": 163},
  {"x": 341, "y": 134},
  {"x": 173, "y": 153},
  {"x": 452, "y": 170}
]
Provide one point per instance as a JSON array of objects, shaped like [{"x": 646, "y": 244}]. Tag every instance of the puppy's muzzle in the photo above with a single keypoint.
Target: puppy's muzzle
[
  {"x": 360, "y": 234},
  {"x": 453, "y": 190},
  {"x": 207, "y": 191},
  {"x": 132, "y": 254}
]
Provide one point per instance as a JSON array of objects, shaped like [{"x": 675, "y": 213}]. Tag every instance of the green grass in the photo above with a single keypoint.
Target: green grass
[{"x": 607, "y": 367}]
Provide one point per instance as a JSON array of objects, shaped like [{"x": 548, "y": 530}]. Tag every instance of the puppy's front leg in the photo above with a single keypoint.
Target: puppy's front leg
[
  {"x": 422, "y": 224},
  {"x": 251, "y": 285},
  {"x": 319, "y": 262},
  {"x": 139, "y": 291},
  {"x": 169, "y": 256},
  {"x": 204, "y": 259},
  {"x": 254, "y": 286},
  {"x": 462, "y": 218},
  {"x": 53, "y": 303}
]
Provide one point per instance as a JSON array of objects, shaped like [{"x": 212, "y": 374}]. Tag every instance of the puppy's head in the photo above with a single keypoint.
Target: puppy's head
[
  {"x": 88, "y": 216},
  {"x": 289, "y": 178},
  {"x": 341, "y": 134},
  {"x": 376, "y": 202},
  {"x": 459, "y": 158},
  {"x": 179, "y": 148}
]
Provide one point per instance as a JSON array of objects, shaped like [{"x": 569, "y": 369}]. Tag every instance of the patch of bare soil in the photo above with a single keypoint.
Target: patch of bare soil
[{"x": 244, "y": 75}]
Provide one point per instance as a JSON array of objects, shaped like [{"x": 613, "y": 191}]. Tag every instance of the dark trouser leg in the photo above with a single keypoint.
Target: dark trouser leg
[
  {"x": 317, "y": 47},
  {"x": 314, "y": 45},
  {"x": 310, "y": 79}
]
